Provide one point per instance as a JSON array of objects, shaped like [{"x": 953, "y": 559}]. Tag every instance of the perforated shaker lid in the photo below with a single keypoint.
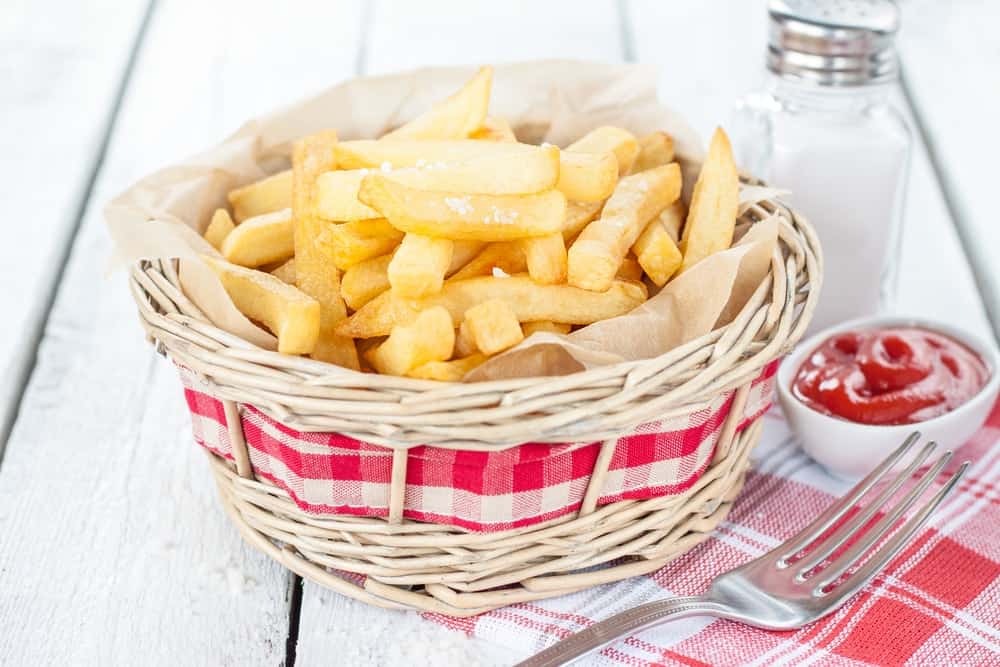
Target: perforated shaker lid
[{"x": 833, "y": 42}]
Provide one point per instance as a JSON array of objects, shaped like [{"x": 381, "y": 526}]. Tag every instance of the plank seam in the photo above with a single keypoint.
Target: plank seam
[
  {"x": 36, "y": 328},
  {"x": 294, "y": 616}
]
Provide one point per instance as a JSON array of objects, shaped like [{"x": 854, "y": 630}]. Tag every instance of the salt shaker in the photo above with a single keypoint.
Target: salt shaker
[{"x": 823, "y": 127}]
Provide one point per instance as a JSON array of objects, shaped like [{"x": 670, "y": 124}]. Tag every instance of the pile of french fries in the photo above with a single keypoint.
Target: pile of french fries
[{"x": 447, "y": 241}]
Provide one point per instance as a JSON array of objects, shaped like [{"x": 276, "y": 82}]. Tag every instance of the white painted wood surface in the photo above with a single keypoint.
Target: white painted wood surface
[
  {"x": 60, "y": 77},
  {"x": 122, "y": 554}
]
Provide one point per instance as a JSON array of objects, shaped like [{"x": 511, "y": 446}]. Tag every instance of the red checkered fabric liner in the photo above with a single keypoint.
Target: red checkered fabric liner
[
  {"x": 482, "y": 491},
  {"x": 938, "y": 603}
]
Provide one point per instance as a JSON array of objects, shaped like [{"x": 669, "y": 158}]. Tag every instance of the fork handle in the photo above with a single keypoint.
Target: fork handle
[{"x": 626, "y": 623}]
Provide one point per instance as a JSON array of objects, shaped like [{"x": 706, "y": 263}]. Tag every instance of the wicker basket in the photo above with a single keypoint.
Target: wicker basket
[{"x": 397, "y": 562}]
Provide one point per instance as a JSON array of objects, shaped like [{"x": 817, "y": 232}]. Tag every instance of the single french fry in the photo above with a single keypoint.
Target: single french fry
[
  {"x": 447, "y": 371},
  {"x": 265, "y": 196},
  {"x": 262, "y": 239},
  {"x": 539, "y": 326},
  {"x": 219, "y": 227},
  {"x": 609, "y": 139},
  {"x": 459, "y": 216},
  {"x": 365, "y": 280},
  {"x": 657, "y": 253},
  {"x": 655, "y": 150},
  {"x": 711, "y": 219},
  {"x": 507, "y": 256},
  {"x": 348, "y": 243},
  {"x": 337, "y": 196},
  {"x": 456, "y": 117},
  {"x": 493, "y": 325},
  {"x": 630, "y": 269},
  {"x": 431, "y": 337},
  {"x": 494, "y": 129},
  {"x": 419, "y": 265},
  {"x": 578, "y": 216},
  {"x": 600, "y": 248},
  {"x": 672, "y": 219},
  {"x": 529, "y": 300},
  {"x": 286, "y": 272},
  {"x": 546, "y": 258},
  {"x": 465, "y": 341},
  {"x": 289, "y": 313},
  {"x": 504, "y": 174},
  {"x": 400, "y": 154},
  {"x": 587, "y": 177},
  {"x": 315, "y": 272}
]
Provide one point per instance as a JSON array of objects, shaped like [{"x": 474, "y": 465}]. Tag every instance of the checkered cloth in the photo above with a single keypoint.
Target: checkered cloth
[
  {"x": 938, "y": 602},
  {"x": 483, "y": 491}
]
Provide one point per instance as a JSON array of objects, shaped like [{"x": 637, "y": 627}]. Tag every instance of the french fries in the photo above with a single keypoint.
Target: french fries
[
  {"x": 578, "y": 216},
  {"x": 265, "y": 196},
  {"x": 545, "y": 326},
  {"x": 596, "y": 254},
  {"x": 448, "y": 371},
  {"x": 609, "y": 139},
  {"x": 262, "y": 239},
  {"x": 455, "y": 118},
  {"x": 494, "y": 129},
  {"x": 655, "y": 150},
  {"x": 529, "y": 300},
  {"x": 630, "y": 269},
  {"x": 348, "y": 243},
  {"x": 546, "y": 258},
  {"x": 587, "y": 177},
  {"x": 291, "y": 315},
  {"x": 461, "y": 216},
  {"x": 657, "y": 253},
  {"x": 672, "y": 219},
  {"x": 369, "y": 154},
  {"x": 365, "y": 280},
  {"x": 286, "y": 272},
  {"x": 315, "y": 272},
  {"x": 493, "y": 326},
  {"x": 506, "y": 257},
  {"x": 711, "y": 219},
  {"x": 419, "y": 265},
  {"x": 431, "y": 337},
  {"x": 219, "y": 228},
  {"x": 337, "y": 196}
]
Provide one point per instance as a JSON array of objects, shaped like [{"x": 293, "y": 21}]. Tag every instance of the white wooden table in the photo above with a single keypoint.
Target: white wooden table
[{"x": 113, "y": 549}]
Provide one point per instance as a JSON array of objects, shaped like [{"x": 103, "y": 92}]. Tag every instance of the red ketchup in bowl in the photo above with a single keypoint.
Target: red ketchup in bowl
[{"x": 897, "y": 375}]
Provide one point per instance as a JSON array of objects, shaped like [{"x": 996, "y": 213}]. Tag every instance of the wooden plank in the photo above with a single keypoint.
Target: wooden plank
[
  {"x": 65, "y": 66},
  {"x": 950, "y": 63},
  {"x": 116, "y": 550},
  {"x": 711, "y": 53},
  {"x": 405, "y": 35}
]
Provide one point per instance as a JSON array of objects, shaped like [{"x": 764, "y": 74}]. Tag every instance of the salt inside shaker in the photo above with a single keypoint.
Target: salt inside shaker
[{"x": 823, "y": 127}]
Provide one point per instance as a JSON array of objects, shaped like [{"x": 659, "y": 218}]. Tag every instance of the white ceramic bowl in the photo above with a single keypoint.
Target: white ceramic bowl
[{"x": 852, "y": 450}]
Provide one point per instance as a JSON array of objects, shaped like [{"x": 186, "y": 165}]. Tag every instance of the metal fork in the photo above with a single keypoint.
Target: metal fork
[{"x": 795, "y": 583}]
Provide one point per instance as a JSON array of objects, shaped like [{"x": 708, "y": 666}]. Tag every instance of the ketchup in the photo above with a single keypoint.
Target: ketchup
[{"x": 897, "y": 375}]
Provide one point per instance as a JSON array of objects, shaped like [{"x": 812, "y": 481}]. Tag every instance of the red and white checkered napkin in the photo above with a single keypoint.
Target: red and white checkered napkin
[{"x": 938, "y": 603}]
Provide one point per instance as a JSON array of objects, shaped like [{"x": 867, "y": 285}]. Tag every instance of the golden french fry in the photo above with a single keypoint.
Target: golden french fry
[
  {"x": 493, "y": 325},
  {"x": 286, "y": 272},
  {"x": 578, "y": 216},
  {"x": 265, "y": 196},
  {"x": 337, "y": 196},
  {"x": 494, "y": 129},
  {"x": 459, "y": 216},
  {"x": 465, "y": 342},
  {"x": 456, "y": 117},
  {"x": 629, "y": 270},
  {"x": 539, "y": 326},
  {"x": 419, "y": 265},
  {"x": 505, "y": 174},
  {"x": 365, "y": 280},
  {"x": 290, "y": 314},
  {"x": 609, "y": 139},
  {"x": 219, "y": 227},
  {"x": 348, "y": 243},
  {"x": 529, "y": 300},
  {"x": 711, "y": 219},
  {"x": 315, "y": 272},
  {"x": 600, "y": 248},
  {"x": 587, "y": 177},
  {"x": 369, "y": 154},
  {"x": 431, "y": 337},
  {"x": 447, "y": 371},
  {"x": 262, "y": 239},
  {"x": 672, "y": 219},
  {"x": 655, "y": 150},
  {"x": 507, "y": 256},
  {"x": 463, "y": 253},
  {"x": 546, "y": 258},
  {"x": 657, "y": 253}
]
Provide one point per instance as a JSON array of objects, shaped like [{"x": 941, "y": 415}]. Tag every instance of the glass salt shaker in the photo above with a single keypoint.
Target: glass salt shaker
[{"x": 824, "y": 128}]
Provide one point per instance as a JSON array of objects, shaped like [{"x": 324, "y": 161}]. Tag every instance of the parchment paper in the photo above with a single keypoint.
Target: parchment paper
[{"x": 163, "y": 215}]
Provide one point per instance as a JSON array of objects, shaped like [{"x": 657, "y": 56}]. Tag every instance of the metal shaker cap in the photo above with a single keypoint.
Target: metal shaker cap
[{"x": 833, "y": 42}]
